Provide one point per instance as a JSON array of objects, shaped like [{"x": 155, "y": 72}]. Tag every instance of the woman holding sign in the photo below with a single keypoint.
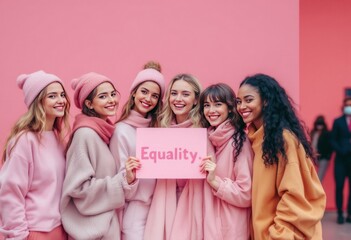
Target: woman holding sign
[
  {"x": 176, "y": 209},
  {"x": 93, "y": 189},
  {"x": 140, "y": 111},
  {"x": 227, "y": 194}
]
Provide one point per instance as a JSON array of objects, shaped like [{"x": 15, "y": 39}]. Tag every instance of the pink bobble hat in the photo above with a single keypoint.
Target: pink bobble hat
[
  {"x": 83, "y": 86},
  {"x": 32, "y": 84},
  {"x": 149, "y": 74}
]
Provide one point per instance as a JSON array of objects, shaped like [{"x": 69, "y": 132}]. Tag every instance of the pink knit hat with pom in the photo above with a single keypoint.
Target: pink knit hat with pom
[
  {"x": 85, "y": 84},
  {"x": 33, "y": 83},
  {"x": 149, "y": 74}
]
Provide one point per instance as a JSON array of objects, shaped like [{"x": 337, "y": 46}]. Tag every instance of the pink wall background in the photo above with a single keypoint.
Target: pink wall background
[
  {"x": 216, "y": 41},
  {"x": 325, "y": 65}
]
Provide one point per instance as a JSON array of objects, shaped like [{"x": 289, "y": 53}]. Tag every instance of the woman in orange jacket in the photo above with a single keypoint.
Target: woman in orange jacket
[{"x": 288, "y": 200}]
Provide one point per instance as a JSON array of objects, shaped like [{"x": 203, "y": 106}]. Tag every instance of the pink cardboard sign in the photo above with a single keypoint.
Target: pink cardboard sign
[{"x": 171, "y": 152}]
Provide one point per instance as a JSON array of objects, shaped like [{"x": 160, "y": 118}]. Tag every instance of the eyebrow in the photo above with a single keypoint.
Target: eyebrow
[
  {"x": 144, "y": 88},
  {"x": 104, "y": 93},
  {"x": 182, "y": 91},
  {"x": 246, "y": 96}
]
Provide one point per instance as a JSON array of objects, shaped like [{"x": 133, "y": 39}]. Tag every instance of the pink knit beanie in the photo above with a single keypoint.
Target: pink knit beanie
[
  {"x": 33, "y": 83},
  {"x": 85, "y": 84},
  {"x": 149, "y": 74}
]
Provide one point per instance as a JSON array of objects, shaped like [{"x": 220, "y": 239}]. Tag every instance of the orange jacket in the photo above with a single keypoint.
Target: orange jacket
[{"x": 288, "y": 200}]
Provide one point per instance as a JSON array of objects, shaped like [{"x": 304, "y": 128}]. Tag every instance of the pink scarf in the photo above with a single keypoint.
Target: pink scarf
[
  {"x": 221, "y": 135},
  {"x": 186, "y": 124},
  {"x": 137, "y": 120},
  {"x": 103, "y": 128}
]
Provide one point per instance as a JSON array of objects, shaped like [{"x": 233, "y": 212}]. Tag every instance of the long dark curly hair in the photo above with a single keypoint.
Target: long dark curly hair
[
  {"x": 278, "y": 113},
  {"x": 221, "y": 92}
]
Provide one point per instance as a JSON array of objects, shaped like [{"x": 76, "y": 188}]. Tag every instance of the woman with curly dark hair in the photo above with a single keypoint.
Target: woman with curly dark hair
[
  {"x": 288, "y": 200},
  {"x": 227, "y": 196}
]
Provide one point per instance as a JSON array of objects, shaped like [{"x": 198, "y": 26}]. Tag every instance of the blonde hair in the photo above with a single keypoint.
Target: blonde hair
[
  {"x": 34, "y": 121},
  {"x": 166, "y": 116},
  {"x": 128, "y": 106}
]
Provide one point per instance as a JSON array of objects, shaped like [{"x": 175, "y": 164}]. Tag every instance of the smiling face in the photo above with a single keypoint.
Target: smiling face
[
  {"x": 249, "y": 105},
  {"x": 181, "y": 100},
  {"x": 105, "y": 102},
  {"x": 146, "y": 97},
  {"x": 54, "y": 103},
  {"x": 215, "y": 112}
]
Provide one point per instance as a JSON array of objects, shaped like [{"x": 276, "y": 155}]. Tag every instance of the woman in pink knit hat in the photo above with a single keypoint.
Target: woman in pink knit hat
[
  {"x": 140, "y": 111},
  {"x": 227, "y": 193},
  {"x": 32, "y": 176},
  {"x": 176, "y": 208},
  {"x": 93, "y": 189}
]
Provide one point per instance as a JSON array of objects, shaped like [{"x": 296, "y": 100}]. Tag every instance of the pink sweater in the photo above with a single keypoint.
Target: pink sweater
[
  {"x": 227, "y": 211},
  {"x": 92, "y": 189},
  {"x": 30, "y": 185},
  {"x": 137, "y": 205}
]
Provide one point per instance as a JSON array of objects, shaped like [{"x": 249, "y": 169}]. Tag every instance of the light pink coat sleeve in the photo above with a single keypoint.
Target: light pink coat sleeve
[
  {"x": 237, "y": 191},
  {"x": 120, "y": 150},
  {"x": 14, "y": 185}
]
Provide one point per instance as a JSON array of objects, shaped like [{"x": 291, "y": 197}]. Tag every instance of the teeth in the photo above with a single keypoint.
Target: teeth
[
  {"x": 178, "y": 106},
  {"x": 59, "y": 108},
  {"x": 145, "y": 104},
  {"x": 245, "y": 114}
]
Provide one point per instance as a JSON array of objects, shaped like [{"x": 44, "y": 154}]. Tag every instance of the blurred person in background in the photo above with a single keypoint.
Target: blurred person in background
[
  {"x": 320, "y": 138},
  {"x": 341, "y": 143}
]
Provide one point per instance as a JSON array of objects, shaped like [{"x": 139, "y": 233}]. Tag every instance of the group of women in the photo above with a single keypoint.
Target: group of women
[{"x": 260, "y": 178}]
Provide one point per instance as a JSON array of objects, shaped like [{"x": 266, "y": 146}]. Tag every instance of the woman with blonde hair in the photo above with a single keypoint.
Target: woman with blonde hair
[
  {"x": 32, "y": 176},
  {"x": 182, "y": 106},
  {"x": 176, "y": 208}
]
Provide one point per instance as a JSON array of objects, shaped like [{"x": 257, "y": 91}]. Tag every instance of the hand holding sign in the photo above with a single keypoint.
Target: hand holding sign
[
  {"x": 132, "y": 164},
  {"x": 209, "y": 166},
  {"x": 171, "y": 152}
]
